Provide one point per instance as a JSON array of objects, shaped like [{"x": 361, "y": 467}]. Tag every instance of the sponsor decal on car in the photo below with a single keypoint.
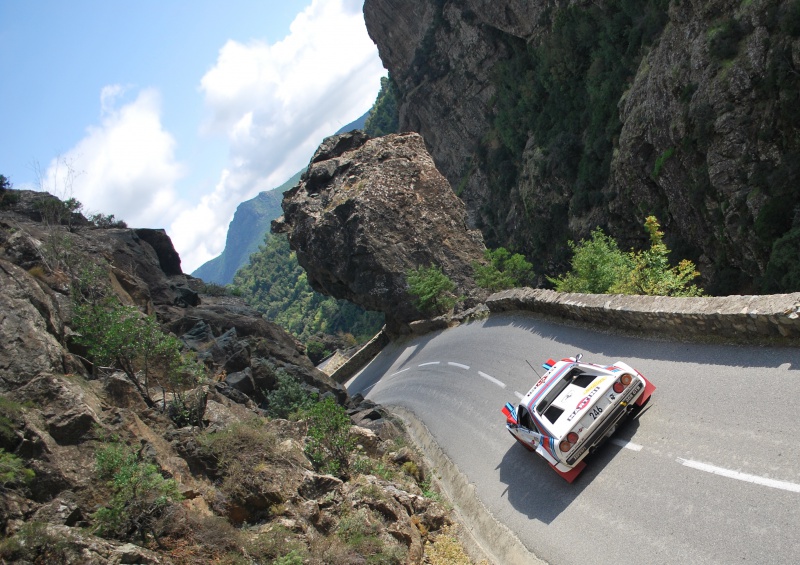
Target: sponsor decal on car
[{"x": 583, "y": 403}]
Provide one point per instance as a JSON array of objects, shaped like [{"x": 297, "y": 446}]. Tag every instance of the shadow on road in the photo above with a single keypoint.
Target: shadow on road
[
  {"x": 594, "y": 341},
  {"x": 536, "y": 491}
]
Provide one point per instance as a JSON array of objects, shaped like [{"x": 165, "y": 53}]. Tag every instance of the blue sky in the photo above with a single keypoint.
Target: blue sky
[{"x": 170, "y": 113}]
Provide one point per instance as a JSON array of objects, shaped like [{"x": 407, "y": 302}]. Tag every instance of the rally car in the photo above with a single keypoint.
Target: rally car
[{"x": 573, "y": 408}]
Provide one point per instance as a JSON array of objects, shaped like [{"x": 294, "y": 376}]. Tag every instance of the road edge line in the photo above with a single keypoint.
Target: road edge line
[{"x": 487, "y": 535}]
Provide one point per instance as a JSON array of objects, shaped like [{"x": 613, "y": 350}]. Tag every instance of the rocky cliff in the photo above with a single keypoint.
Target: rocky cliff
[
  {"x": 368, "y": 210},
  {"x": 552, "y": 118},
  {"x": 62, "y": 425}
]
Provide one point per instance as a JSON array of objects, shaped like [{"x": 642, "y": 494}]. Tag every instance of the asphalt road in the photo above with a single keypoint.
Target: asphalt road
[{"x": 708, "y": 473}]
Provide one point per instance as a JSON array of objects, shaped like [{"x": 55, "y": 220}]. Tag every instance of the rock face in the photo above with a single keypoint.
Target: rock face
[
  {"x": 700, "y": 132},
  {"x": 239, "y": 466},
  {"x": 368, "y": 210}
]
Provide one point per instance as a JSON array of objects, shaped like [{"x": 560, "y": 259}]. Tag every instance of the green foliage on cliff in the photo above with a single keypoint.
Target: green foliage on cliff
[
  {"x": 600, "y": 267},
  {"x": 139, "y": 493},
  {"x": 597, "y": 265},
  {"x": 329, "y": 442},
  {"x": 563, "y": 92},
  {"x": 383, "y": 117},
  {"x": 121, "y": 336},
  {"x": 276, "y": 285},
  {"x": 503, "y": 270},
  {"x": 432, "y": 289}
]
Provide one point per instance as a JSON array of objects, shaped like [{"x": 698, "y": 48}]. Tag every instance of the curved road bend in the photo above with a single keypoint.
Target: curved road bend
[{"x": 709, "y": 472}]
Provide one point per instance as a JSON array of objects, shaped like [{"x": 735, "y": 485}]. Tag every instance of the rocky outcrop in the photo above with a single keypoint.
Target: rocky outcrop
[
  {"x": 700, "y": 132},
  {"x": 368, "y": 210},
  {"x": 233, "y": 466}
]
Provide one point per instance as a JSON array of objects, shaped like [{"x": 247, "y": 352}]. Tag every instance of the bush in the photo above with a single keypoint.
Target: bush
[
  {"x": 240, "y": 452},
  {"x": 432, "y": 289},
  {"x": 651, "y": 273},
  {"x": 599, "y": 267},
  {"x": 503, "y": 270},
  {"x": 139, "y": 494},
  {"x": 329, "y": 442},
  {"x": 597, "y": 264},
  {"x": 33, "y": 543},
  {"x": 289, "y": 398},
  {"x": 13, "y": 472},
  {"x": 122, "y": 337},
  {"x": 10, "y": 420}
]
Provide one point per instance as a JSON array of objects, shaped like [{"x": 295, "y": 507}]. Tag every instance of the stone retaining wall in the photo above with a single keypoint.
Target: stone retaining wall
[
  {"x": 360, "y": 359},
  {"x": 744, "y": 319},
  {"x": 759, "y": 319}
]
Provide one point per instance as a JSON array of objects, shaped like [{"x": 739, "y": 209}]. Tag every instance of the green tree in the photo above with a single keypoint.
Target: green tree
[
  {"x": 275, "y": 284},
  {"x": 597, "y": 265},
  {"x": 383, "y": 118},
  {"x": 329, "y": 442},
  {"x": 651, "y": 272},
  {"x": 122, "y": 337},
  {"x": 6, "y": 198},
  {"x": 432, "y": 289},
  {"x": 503, "y": 270},
  {"x": 139, "y": 494}
]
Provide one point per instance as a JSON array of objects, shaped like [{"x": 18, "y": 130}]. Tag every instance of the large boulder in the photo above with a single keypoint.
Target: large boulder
[{"x": 368, "y": 210}]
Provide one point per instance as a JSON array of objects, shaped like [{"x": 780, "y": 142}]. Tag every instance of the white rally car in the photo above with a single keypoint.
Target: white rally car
[{"x": 573, "y": 408}]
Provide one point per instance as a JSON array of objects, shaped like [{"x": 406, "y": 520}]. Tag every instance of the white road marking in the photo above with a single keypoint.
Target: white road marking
[
  {"x": 626, "y": 444},
  {"x": 366, "y": 390},
  {"x": 755, "y": 479},
  {"x": 501, "y": 384},
  {"x": 459, "y": 365},
  {"x": 519, "y": 395},
  {"x": 426, "y": 364},
  {"x": 401, "y": 371}
]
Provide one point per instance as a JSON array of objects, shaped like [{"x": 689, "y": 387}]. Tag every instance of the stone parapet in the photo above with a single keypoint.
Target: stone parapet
[
  {"x": 360, "y": 359},
  {"x": 761, "y": 318}
]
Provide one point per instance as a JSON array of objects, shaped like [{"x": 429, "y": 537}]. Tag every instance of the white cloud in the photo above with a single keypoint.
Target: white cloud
[
  {"x": 125, "y": 166},
  {"x": 275, "y": 103}
]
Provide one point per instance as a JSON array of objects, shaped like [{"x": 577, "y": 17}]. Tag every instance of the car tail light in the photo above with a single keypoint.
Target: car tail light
[
  {"x": 572, "y": 437},
  {"x": 564, "y": 446},
  {"x": 618, "y": 387},
  {"x": 626, "y": 379}
]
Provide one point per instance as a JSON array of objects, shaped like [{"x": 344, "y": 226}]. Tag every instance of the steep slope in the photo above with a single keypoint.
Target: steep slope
[
  {"x": 111, "y": 464},
  {"x": 246, "y": 232},
  {"x": 250, "y": 224},
  {"x": 552, "y": 118}
]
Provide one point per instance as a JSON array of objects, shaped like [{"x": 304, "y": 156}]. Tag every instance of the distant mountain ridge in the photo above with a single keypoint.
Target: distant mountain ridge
[
  {"x": 250, "y": 224},
  {"x": 246, "y": 232}
]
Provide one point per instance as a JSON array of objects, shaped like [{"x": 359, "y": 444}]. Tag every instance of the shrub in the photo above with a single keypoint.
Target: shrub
[
  {"x": 432, "y": 289},
  {"x": 13, "y": 471},
  {"x": 503, "y": 270},
  {"x": 597, "y": 264},
  {"x": 122, "y": 337},
  {"x": 651, "y": 273},
  {"x": 599, "y": 267},
  {"x": 33, "y": 543},
  {"x": 10, "y": 420},
  {"x": 660, "y": 162},
  {"x": 240, "y": 452},
  {"x": 289, "y": 398},
  {"x": 329, "y": 442},
  {"x": 139, "y": 494}
]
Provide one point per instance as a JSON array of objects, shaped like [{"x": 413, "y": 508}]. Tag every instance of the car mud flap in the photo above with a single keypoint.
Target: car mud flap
[
  {"x": 648, "y": 390},
  {"x": 571, "y": 475}
]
